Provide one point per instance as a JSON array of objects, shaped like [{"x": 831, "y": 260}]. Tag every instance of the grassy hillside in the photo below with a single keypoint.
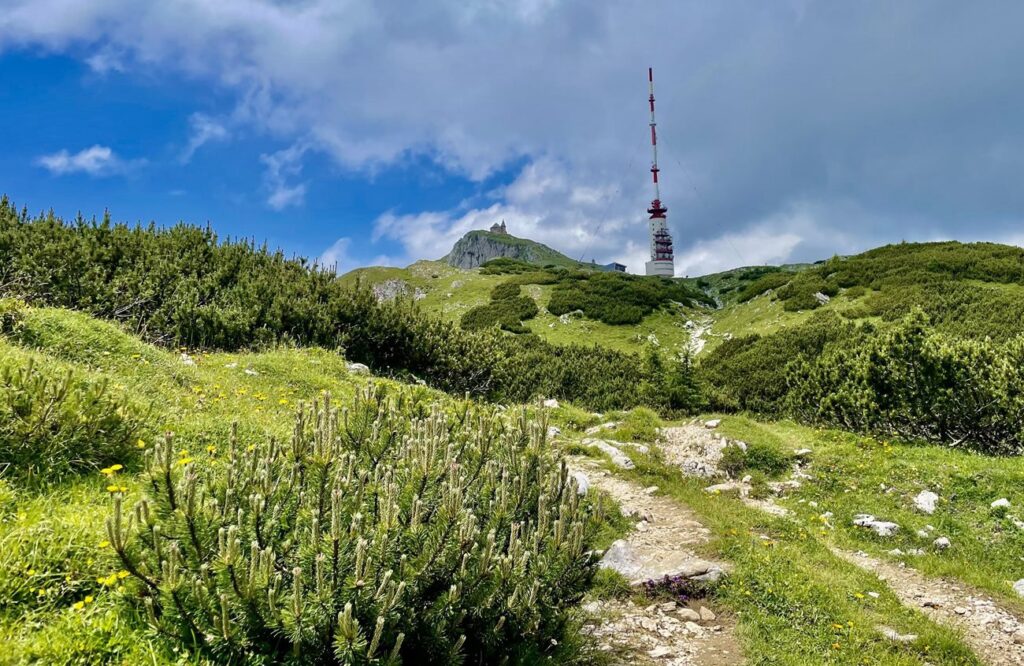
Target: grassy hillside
[{"x": 68, "y": 598}]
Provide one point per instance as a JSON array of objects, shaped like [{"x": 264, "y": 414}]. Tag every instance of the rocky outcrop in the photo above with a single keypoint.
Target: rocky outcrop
[{"x": 479, "y": 247}]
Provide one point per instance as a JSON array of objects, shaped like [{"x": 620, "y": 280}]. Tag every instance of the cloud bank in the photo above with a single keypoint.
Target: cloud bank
[{"x": 788, "y": 130}]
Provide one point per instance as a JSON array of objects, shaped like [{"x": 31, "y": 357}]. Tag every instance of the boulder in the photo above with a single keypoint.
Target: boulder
[
  {"x": 925, "y": 501},
  {"x": 357, "y": 368},
  {"x": 551, "y": 403},
  {"x": 186, "y": 359},
  {"x": 1001, "y": 503},
  {"x": 942, "y": 543},
  {"x": 822, "y": 298},
  {"x": 706, "y": 615},
  {"x": 713, "y": 423},
  {"x": 802, "y": 453}
]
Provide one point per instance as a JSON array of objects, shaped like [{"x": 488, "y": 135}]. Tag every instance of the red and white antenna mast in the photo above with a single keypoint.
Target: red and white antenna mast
[{"x": 662, "y": 260}]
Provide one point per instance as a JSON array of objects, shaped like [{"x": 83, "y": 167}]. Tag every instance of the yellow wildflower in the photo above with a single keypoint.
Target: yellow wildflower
[
  {"x": 140, "y": 444},
  {"x": 184, "y": 461},
  {"x": 122, "y": 574},
  {"x": 79, "y": 605},
  {"x": 104, "y": 543},
  {"x": 211, "y": 448},
  {"x": 112, "y": 488},
  {"x": 117, "y": 468},
  {"x": 88, "y": 599},
  {"x": 283, "y": 401}
]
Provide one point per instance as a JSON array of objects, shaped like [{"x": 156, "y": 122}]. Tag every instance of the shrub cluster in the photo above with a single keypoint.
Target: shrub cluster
[
  {"x": 53, "y": 423},
  {"x": 183, "y": 286},
  {"x": 618, "y": 298},
  {"x": 749, "y": 372},
  {"x": 917, "y": 384},
  {"x": 390, "y": 531},
  {"x": 942, "y": 278},
  {"x": 507, "y": 310}
]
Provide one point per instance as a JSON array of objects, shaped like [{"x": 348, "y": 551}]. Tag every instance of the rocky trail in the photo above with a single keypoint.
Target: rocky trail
[
  {"x": 994, "y": 633},
  {"x": 666, "y": 542}
]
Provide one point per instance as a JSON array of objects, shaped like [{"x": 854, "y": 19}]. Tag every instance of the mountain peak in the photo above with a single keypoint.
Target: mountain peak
[{"x": 479, "y": 246}]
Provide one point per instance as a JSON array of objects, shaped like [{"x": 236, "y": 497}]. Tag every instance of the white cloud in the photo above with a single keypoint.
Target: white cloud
[
  {"x": 280, "y": 168},
  {"x": 338, "y": 258},
  {"x": 203, "y": 129},
  {"x": 95, "y": 161}
]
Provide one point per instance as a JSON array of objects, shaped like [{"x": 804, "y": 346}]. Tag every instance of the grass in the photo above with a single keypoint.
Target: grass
[
  {"x": 856, "y": 474},
  {"x": 52, "y": 543},
  {"x": 796, "y": 603}
]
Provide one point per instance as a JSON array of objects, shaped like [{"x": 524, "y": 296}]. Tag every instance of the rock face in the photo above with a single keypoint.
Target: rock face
[{"x": 479, "y": 247}]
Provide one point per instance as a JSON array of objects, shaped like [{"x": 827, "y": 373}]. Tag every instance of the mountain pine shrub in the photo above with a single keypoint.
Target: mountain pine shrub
[
  {"x": 914, "y": 383},
  {"x": 54, "y": 423},
  {"x": 182, "y": 285},
  {"x": 388, "y": 531}
]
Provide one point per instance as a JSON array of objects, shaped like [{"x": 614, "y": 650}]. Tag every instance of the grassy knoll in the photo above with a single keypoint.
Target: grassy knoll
[{"x": 58, "y": 602}]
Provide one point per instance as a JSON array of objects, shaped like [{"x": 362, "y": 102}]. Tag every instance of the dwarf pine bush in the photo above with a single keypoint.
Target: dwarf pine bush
[
  {"x": 55, "y": 423},
  {"x": 389, "y": 531}
]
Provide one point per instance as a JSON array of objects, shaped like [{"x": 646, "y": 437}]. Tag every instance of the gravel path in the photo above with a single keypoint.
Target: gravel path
[{"x": 666, "y": 540}]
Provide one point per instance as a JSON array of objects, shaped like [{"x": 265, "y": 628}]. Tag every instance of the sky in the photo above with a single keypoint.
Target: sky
[{"x": 378, "y": 132}]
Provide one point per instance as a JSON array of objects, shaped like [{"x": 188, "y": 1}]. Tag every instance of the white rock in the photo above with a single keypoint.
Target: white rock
[
  {"x": 706, "y": 614},
  {"x": 582, "y": 482},
  {"x": 551, "y": 403},
  {"x": 1001, "y": 503},
  {"x": 880, "y": 527},
  {"x": 619, "y": 459},
  {"x": 689, "y": 615},
  {"x": 925, "y": 501},
  {"x": 822, "y": 298},
  {"x": 667, "y": 606},
  {"x": 741, "y": 445},
  {"x": 231, "y": 366},
  {"x": 554, "y": 431},
  {"x": 186, "y": 359},
  {"x": 942, "y": 543},
  {"x": 662, "y": 651},
  {"x": 1018, "y": 587},
  {"x": 895, "y": 552},
  {"x": 746, "y": 479},
  {"x": 358, "y": 368},
  {"x": 924, "y": 534},
  {"x": 713, "y": 423},
  {"x": 650, "y": 490},
  {"x": 251, "y": 372},
  {"x": 960, "y": 610},
  {"x": 802, "y": 453}
]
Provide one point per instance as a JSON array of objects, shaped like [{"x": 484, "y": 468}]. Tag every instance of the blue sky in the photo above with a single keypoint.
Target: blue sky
[{"x": 379, "y": 132}]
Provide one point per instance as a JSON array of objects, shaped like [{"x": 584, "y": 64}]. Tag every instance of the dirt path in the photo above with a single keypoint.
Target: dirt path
[
  {"x": 995, "y": 634},
  {"x": 665, "y": 542}
]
